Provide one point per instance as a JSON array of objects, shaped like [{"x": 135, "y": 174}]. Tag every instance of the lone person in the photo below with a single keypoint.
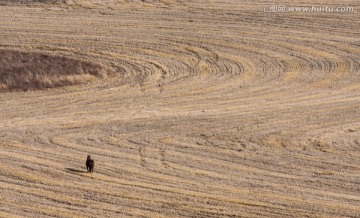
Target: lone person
[{"x": 90, "y": 164}]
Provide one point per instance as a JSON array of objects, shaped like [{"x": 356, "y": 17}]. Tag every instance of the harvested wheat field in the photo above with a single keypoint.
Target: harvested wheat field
[{"x": 188, "y": 108}]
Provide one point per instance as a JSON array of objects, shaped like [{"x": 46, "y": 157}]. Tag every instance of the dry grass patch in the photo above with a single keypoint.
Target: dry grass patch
[{"x": 33, "y": 71}]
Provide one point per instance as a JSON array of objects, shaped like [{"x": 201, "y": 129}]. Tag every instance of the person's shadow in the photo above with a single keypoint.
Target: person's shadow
[{"x": 71, "y": 170}]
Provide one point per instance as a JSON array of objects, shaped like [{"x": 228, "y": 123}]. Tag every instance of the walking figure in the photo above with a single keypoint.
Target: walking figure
[{"x": 90, "y": 164}]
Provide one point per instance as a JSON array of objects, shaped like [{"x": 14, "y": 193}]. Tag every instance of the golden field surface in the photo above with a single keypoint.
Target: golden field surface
[{"x": 189, "y": 109}]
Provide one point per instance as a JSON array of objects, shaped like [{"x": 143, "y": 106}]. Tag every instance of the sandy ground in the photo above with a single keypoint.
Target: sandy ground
[{"x": 217, "y": 109}]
